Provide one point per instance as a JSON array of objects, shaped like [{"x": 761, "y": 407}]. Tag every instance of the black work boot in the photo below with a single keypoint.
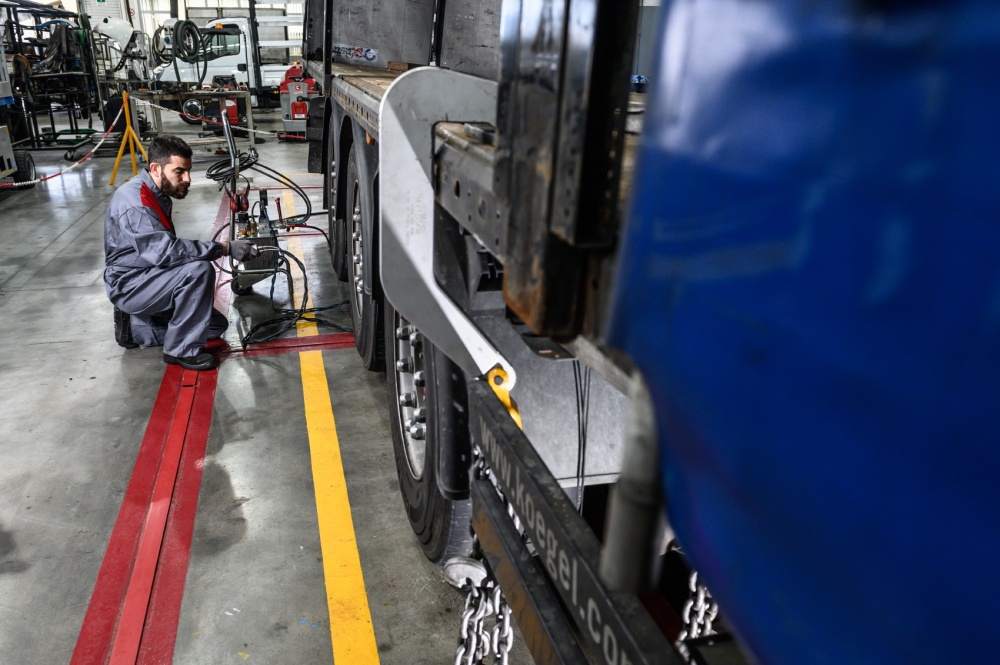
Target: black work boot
[
  {"x": 198, "y": 362},
  {"x": 123, "y": 330}
]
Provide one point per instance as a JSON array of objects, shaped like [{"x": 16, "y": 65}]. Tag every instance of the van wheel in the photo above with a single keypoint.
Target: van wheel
[
  {"x": 427, "y": 414},
  {"x": 363, "y": 286}
]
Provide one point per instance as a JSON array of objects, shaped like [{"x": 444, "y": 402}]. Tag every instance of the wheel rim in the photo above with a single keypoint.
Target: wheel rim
[
  {"x": 411, "y": 393},
  {"x": 192, "y": 108},
  {"x": 357, "y": 253},
  {"x": 331, "y": 188}
]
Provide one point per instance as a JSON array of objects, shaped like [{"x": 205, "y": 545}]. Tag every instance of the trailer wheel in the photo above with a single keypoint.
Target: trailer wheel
[
  {"x": 366, "y": 298},
  {"x": 338, "y": 242},
  {"x": 25, "y": 164},
  {"x": 427, "y": 407}
]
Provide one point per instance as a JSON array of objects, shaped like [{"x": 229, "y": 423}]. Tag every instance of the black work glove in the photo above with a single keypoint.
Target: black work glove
[{"x": 241, "y": 250}]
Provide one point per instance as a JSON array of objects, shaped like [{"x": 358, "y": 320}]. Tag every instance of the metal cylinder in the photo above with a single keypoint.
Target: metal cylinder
[{"x": 636, "y": 527}]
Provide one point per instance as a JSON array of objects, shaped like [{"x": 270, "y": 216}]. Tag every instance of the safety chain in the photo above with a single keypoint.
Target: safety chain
[
  {"x": 215, "y": 122},
  {"x": 699, "y": 613},
  {"x": 29, "y": 183},
  {"x": 482, "y": 471},
  {"x": 485, "y": 600},
  {"x": 476, "y": 641}
]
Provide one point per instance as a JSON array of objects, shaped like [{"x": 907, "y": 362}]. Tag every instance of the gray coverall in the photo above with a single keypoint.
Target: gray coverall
[{"x": 166, "y": 283}]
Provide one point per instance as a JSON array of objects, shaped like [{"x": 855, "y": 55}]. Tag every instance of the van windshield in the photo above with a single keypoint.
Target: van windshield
[{"x": 222, "y": 45}]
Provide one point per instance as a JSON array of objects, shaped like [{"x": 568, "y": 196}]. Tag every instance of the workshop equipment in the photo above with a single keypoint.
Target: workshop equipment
[
  {"x": 232, "y": 48},
  {"x": 20, "y": 163},
  {"x": 244, "y": 224},
  {"x": 295, "y": 92},
  {"x": 235, "y": 110},
  {"x": 52, "y": 72},
  {"x": 6, "y": 92},
  {"x": 7, "y": 164}
]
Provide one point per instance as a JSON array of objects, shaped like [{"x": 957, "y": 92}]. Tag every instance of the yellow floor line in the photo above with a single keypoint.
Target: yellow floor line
[
  {"x": 351, "y": 630},
  {"x": 288, "y": 205}
]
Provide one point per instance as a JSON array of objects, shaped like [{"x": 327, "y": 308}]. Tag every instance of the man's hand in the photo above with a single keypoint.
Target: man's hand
[{"x": 241, "y": 250}]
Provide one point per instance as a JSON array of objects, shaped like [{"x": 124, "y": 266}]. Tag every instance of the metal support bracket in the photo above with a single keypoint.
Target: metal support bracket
[{"x": 412, "y": 105}]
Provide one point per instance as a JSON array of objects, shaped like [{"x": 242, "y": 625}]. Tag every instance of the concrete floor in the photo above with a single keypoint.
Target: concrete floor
[{"x": 74, "y": 407}]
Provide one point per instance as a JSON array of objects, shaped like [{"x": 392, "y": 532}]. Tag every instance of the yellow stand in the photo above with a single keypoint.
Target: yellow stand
[{"x": 130, "y": 138}]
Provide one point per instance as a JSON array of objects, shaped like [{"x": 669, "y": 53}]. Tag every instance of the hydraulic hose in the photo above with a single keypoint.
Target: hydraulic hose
[
  {"x": 162, "y": 53},
  {"x": 189, "y": 46},
  {"x": 223, "y": 171}
]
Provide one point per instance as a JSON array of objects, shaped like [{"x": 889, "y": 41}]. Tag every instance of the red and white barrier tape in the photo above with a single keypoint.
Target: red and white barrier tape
[
  {"x": 90, "y": 154},
  {"x": 104, "y": 138},
  {"x": 217, "y": 122}
]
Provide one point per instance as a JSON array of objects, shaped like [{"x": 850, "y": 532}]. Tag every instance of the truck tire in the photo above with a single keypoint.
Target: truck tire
[
  {"x": 338, "y": 244},
  {"x": 442, "y": 525},
  {"x": 25, "y": 164},
  {"x": 366, "y": 298}
]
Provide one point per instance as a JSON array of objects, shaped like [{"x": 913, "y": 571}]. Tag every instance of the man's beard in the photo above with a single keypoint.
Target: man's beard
[{"x": 174, "y": 191}]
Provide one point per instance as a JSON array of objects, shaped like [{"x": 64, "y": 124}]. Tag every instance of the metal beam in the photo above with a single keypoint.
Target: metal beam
[
  {"x": 547, "y": 633},
  {"x": 562, "y": 106},
  {"x": 614, "y": 625}
]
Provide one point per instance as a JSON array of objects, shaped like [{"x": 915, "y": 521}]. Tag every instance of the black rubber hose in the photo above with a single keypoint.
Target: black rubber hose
[
  {"x": 162, "y": 54},
  {"x": 189, "y": 46},
  {"x": 223, "y": 169}
]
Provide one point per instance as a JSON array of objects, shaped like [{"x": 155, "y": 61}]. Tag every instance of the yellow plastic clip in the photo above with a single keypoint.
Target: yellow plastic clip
[{"x": 497, "y": 378}]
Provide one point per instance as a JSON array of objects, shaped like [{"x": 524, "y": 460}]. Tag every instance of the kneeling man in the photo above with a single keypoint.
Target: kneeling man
[{"x": 162, "y": 286}]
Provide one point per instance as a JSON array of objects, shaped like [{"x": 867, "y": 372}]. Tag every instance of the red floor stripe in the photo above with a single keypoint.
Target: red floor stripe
[
  {"x": 125, "y": 647},
  {"x": 135, "y": 607},
  {"x": 94, "y": 641},
  {"x": 163, "y": 617},
  {"x": 294, "y": 345}
]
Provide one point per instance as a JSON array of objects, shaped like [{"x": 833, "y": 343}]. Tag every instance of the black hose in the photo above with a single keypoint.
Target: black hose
[
  {"x": 190, "y": 46},
  {"x": 223, "y": 171},
  {"x": 162, "y": 54},
  {"x": 279, "y": 177},
  {"x": 290, "y": 316}
]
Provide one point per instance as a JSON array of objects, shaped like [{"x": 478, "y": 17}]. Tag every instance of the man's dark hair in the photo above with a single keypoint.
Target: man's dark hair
[{"x": 164, "y": 147}]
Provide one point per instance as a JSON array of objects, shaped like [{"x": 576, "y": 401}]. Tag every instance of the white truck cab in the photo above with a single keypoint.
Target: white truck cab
[{"x": 230, "y": 52}]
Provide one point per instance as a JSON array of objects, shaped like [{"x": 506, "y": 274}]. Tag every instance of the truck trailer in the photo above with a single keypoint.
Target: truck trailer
[{"x": 730, "y": 343}]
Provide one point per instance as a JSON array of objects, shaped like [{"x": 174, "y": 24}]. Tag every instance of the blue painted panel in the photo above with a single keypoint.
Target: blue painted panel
[{"x": 810, "y": 282}]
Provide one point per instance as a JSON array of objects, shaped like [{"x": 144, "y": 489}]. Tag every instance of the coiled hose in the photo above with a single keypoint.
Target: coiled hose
[
  {"x": 222, "y": 170},
  {"x": 190, "y": 46},
  {"x": 163, "y": 53}
]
